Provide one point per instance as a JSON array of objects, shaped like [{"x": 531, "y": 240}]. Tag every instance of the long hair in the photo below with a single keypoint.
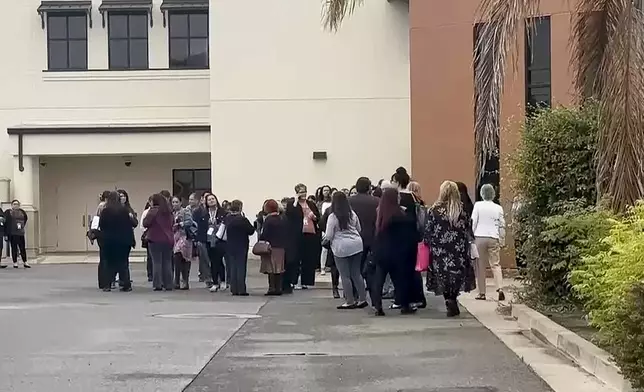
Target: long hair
[
  {"x": 468, "y": 206},
  {"x": 450, "y": 198},
  {"x": 127, "y": 198},
  {"x": 113, "y": 200},
  {"x": 341, "y": 209},
  {"x": 159, "y": 201},
  {"x": 388, "y": 208},
  {"x": 205, "y": 199}
]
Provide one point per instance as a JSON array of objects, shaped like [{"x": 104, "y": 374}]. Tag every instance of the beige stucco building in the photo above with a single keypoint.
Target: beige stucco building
[{"x": 147, "y": 95}]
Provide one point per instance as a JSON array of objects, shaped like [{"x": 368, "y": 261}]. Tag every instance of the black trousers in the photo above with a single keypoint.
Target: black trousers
[
  {"x": 217, "y": 267},
  {"x": 309, "y": 251},
  {"x": 275, "y": 283},
  {"x": 115, "y": 261},
  {"x": 402, "y": 277},
  {"x": 181, "y": 271},
  {"x": 290, "y": 275},
  {"x": 148, "y": 264},
  {"x": 237, "y": 267},
  {"x": 18, "y": 244}
]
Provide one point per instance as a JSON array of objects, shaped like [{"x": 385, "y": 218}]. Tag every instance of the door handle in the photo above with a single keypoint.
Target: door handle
[{"x": 83, "y": 220}]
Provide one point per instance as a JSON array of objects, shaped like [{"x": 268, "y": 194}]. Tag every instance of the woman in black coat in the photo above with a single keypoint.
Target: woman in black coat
[{"x": 117, "y": 234}]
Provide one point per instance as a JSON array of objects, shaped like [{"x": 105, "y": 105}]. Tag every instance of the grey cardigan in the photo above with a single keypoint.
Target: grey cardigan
[{"x": 344, "y": 243}]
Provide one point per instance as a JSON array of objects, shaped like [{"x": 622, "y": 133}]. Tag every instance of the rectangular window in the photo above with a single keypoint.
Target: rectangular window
[
  {"x": 67, "y": 41},
  {"x": 128, "y": 40},
  {"x": 187, "y": 181},
  {"x": 491, "y": 171},
  {"x": 188, "y": 35},
  {"x": 537, "y": 65}
]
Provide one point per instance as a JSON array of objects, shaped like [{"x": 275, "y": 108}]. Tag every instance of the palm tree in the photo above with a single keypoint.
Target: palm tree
[{"x": 607, "y": 40}]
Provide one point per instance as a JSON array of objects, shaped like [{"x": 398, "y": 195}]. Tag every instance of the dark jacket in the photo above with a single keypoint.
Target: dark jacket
[
  {"x": 397, "y": 242},
  {"x": 295, "y": 216},
  {"x": 366, "y": 207},
  {"x": 12, "y": 224},
  {"x": 408, "y": 201},
  {"x": 201, "y": 216},
  {"x": 4, "y": 227},
  {"x": 116, "y": 227},
  {"x": 275, "y": 231},
  {"x": 159, "y": 226},
  {"x": 238, "y": 229}
]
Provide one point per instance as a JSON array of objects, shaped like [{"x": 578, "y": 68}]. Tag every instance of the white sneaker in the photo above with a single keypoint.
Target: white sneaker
[
  {"x": 322, "y": 272},
  {"x": 223, "y": 286},
  {"x": 214, "y": 288},
  {"x": 298, "y": 287}
]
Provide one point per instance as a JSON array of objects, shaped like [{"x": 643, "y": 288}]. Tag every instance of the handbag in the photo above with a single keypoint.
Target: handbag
[
  {"x": 262, "y": 248},
  {"x": 423, "y": 256}
]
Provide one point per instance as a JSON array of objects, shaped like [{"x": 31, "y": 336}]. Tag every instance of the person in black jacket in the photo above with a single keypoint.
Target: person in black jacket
[
  {"x": 303, "y": 217},
  {"x": 208, "y": 218},
  {"x": 238, "y": 229},
  {"x": 3, "y": 234},
  {"x": 274, "y": 230},
  {"x": 16, "y": 221},
  {"x": 117, "y": 233},
  {"x": 394, "y": 252},
  {"x": 366, "y": 207}
]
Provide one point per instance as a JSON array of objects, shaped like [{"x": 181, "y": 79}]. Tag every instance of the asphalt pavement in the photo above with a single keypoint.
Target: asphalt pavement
[{"x": 59, "y": 333}]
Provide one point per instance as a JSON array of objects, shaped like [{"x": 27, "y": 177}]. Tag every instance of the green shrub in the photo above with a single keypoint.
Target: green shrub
[
  {"x": 556, "y": 248},
  {"x": 555, "y": 171},
  {"x": 611, "y": 286}
]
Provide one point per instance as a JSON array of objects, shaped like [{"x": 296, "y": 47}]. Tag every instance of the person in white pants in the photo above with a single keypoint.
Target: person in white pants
[{"x": 488, "y": 224}]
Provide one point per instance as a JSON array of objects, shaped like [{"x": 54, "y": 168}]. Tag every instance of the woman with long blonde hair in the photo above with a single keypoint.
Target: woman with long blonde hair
[{"x": 448, "y": 235}]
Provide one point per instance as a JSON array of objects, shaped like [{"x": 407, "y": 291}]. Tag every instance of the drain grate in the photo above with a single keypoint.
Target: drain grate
[
  {"x": 295, "y": 354},
  {"x": 197, "y": 316}
]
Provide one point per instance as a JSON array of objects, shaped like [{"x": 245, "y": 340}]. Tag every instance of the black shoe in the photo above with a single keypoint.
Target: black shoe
[
  {"x": 408, "y": 310},
  {"x": 149, "y": 279},
  {"x": 362, "y": 305},
  {"x": 379, "y": 312},
  {"x": 177, "y": 287},
  {"x": 26, "y": 265},
  {"x": 422, "y": 305},
  {"x": 157, "y": 289},
  {"x": 126, "y": 289},
  {"x": 452, "y": 308},
  {"x": 480, "y": 297},
  {"x": 501, "y": 296},
  {"x": 3, "y": 266},
  {"x": 336, "y": 293},
  {"x": 347, "y": 306}
]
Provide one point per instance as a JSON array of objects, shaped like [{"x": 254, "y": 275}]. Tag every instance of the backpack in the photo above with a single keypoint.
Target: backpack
[{"x": 421, "y": 215}]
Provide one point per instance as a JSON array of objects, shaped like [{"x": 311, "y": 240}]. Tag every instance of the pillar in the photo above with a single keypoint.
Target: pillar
[{"x": 26, "y": 189}]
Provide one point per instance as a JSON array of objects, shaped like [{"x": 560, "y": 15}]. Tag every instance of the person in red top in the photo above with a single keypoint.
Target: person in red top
[{"x": 158, "y": 222}]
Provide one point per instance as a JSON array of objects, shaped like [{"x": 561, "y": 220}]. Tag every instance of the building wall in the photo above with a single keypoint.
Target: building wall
[
  {"x": 442, "y": 90},
  {"x": 282, "y": 88},
  {"x": 70, "y": 186},
  {"x": 31, "y": 96}
]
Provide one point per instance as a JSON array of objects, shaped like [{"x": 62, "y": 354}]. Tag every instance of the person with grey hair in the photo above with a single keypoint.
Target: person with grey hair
[{"x": 488, "y": 224}]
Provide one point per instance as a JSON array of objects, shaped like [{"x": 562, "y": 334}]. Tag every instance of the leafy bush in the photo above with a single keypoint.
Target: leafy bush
[
  {"x": 558, "y": 247},
  {"x": 555, "y": 171},
  {"x": 611, "y": 286}
]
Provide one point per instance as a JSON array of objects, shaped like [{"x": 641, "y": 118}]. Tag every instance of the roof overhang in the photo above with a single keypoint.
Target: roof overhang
[
  {"x": 63, "y": 7},
  {"x": 182, "y": 5},
  {"x": 126, "y": 6}
]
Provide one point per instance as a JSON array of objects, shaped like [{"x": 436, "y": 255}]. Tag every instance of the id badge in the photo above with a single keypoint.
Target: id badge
[
  {"x": 211, "y": 230},
  {"x": 19, "y": 226}
]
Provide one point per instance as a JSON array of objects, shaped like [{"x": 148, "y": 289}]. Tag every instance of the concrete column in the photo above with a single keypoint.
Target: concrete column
[{"x": 26, "y": 188}]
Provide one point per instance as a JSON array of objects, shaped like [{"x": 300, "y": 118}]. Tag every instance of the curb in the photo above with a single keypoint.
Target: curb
[{"x": 585, "y": 354}]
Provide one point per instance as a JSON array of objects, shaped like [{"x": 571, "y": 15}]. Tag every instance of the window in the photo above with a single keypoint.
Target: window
[
  {"x": 67, "y": 41},
  {"x": 128, "y": 40},
  {"x": 188, "y": 39},
  {"x": 187, "y": 181},
  {"x": 491, "y": 174},
  {"x": 537, "y": 65}
]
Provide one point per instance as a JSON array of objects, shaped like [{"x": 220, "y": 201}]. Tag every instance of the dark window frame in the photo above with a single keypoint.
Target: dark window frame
[
  {"x": 128, "y": 39},
  {"x": 542, "y": 26},
  {"x": 67, "y": 39},
  {"x": 189, "y": 37},
  {"x": 193, "y": 176}
]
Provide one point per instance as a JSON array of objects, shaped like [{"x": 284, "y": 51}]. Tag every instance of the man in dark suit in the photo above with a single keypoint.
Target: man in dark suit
[{"x": 366, "y": 207}]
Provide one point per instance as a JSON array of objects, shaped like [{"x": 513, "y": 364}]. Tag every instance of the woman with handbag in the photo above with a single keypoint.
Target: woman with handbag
[{"x": 271, "y": 246}]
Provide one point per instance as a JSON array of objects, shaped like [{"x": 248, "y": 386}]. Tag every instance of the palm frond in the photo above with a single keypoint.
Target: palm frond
[
  {"x": 334, "y": 12},
  {"x": 620, "y": 146},
  {"x": 588, "y": 39},
  {"x": 503, "y": 25}
]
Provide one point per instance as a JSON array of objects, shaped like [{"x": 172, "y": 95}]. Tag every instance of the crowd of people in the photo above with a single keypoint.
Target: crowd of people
[{"x": 375, "y": 241}]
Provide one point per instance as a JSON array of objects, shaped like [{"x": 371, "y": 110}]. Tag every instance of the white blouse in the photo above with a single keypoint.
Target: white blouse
[{"x": 488, "y": 220}]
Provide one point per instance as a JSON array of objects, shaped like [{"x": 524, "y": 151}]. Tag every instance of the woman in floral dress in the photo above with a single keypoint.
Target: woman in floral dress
[
  {"x": 184, "y": 230},
  {"x": 448, "y": 235}
]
